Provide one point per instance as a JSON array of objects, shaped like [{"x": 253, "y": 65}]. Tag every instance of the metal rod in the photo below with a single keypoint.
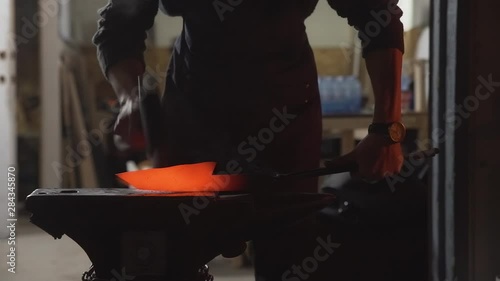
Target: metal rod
[{"x": 352, "y": 167}]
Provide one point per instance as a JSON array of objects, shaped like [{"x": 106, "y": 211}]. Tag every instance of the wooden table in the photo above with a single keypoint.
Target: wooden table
[{"x": 345, "y": 125}]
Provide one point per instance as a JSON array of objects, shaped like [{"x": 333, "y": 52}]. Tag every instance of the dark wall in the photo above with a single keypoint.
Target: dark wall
[{"x": 28, "y": 95}]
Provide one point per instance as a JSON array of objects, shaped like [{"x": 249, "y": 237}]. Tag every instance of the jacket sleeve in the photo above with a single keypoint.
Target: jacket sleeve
[
  {"x": 122, "y": 30},
  {"x": 377, "y": 21}
]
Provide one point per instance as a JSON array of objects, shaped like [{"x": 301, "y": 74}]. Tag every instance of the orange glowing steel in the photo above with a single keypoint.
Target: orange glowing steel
[{"x": 183, "y": 178}]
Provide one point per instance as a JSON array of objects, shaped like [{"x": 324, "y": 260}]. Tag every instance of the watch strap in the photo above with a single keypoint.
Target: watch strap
[{"x": 379, "y": 128}]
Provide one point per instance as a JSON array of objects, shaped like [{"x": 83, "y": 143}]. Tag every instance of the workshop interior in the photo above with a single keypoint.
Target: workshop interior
[{"x": 79, "y": 204}]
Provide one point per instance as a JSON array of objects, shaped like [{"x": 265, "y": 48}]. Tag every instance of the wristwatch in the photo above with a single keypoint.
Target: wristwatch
[{"x": 396, "y": 131}]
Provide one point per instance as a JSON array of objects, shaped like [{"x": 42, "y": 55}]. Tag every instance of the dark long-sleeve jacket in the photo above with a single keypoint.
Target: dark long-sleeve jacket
[
  {"x": 237, "y": 25},
  {"x": 239, "y": 68}
]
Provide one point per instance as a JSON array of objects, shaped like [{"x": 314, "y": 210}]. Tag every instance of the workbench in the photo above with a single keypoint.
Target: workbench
[{"x": 345, "y": 125}]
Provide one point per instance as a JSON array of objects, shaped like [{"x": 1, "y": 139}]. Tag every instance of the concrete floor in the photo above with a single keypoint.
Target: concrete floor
[{"x": 42, "y": 258}]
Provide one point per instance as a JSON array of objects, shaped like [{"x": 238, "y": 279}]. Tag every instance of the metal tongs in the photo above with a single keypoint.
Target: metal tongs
[{"x": 416, "y": 158}]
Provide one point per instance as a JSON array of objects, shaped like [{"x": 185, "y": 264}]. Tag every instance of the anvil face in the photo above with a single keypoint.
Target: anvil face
[{"x": 163, "y": 234}]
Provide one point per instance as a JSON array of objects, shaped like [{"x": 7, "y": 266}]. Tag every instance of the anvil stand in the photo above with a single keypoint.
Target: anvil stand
[{"x": 153, "y": 236}]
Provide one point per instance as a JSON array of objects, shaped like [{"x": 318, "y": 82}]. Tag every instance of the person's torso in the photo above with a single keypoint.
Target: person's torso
[{"x": 238, "y": 38}]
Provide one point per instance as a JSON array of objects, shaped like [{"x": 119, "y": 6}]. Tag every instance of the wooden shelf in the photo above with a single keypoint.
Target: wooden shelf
[{"x": 345, "y": 125}]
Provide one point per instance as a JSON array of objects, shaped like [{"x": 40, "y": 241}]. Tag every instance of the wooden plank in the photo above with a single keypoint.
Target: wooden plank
[{"x": 88, "y": 177}]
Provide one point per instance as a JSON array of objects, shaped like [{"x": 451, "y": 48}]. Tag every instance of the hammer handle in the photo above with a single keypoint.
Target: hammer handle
[{"x": 151, "y": 115}]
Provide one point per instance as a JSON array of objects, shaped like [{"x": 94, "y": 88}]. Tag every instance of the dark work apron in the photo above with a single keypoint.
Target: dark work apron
[{"x": 246, "y": 88}]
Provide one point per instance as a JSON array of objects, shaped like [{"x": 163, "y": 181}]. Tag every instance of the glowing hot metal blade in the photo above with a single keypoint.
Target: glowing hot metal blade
[{"x": 183, "y": 178}]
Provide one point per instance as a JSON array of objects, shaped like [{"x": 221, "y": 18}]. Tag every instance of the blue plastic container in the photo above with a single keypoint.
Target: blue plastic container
[{"x": 340, "y": 94}]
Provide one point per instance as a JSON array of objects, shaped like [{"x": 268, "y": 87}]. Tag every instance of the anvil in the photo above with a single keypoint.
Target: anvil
[{"x": 154, "y": 235}]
